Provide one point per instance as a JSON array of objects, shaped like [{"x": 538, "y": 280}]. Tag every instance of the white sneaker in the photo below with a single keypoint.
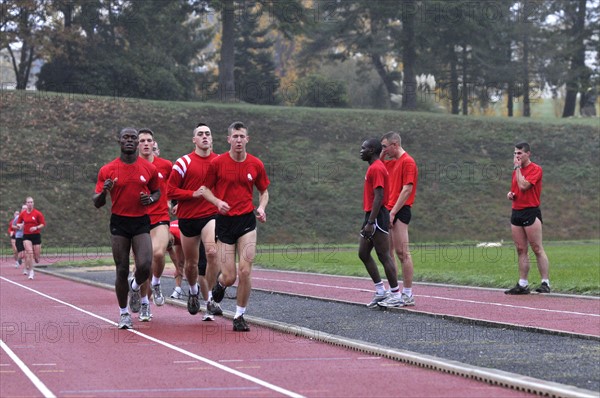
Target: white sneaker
[
  {"x": 177, "y": 294},
  {"x": 25, "y": 272},
  {"x": 17, "y": 264},
  {"x": 30, "y": 275}
]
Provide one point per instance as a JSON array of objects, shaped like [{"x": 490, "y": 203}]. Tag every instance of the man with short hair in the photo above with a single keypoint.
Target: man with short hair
[
  {"x": 374, "y": 231},
  {"x": 403, "y": 187},
  {"x": 133, "y": 184},
  {"x": 159, "y": 224},
  {"x": 230, "y": 186},
  {"x": 526, "y": 218},
  {"x": 196, "y": 216}
]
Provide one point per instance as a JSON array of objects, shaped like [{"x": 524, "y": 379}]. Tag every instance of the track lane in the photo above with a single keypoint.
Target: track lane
[{"x": 87, "y": 360}]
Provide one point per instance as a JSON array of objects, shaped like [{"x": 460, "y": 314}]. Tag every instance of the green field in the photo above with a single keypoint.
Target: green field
[{"x": 574, "y": 266}]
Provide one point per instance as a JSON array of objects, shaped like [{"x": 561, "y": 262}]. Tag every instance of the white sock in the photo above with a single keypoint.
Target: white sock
[
  {"x": 144, "y": 300},
  {"x": 523, "y": 282},
  {"x": 155, "y": 281},
  {"x": 407, "y": 291},
  {"x": 239, "y": 311},
  {"x": 123, "y": 311},
  {"x": 547, "y": 281},
  {"x": 194, "y": 289},
  {"x": 380, "y": 289},
  {"x": 134, "y": 285},
  {"x": 178, "y": 289}
]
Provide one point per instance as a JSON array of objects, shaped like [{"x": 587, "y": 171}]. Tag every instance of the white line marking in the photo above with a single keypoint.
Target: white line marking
[
  {"x": 432, "y": 297},
  {"x": 30, "y": 375},
  {"x": 169, "y": 345}
]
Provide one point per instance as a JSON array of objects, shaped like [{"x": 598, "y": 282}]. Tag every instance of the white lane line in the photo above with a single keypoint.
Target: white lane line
[
  {"x": 30, "y": 375},
  {"x": 432, "y": 297},
  {"x": 168, "y": 345}
]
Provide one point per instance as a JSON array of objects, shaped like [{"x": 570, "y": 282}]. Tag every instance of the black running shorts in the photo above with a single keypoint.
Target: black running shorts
[
  {"x": 525, "y": 217},
  {"x": 230, "y": 228},
  {"x": 129, "y": 226}
]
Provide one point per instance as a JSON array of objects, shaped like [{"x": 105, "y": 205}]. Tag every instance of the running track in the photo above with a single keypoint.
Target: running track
[{"x": 59, "y": 339}]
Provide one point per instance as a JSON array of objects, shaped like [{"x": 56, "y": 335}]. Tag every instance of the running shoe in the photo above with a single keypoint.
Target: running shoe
[
  {"x": 544, "y": 288},
  {"x": 125, "y": 321},
  {"x": 377, "y": 298},
  {"x": 518, "y": 289},
  {"x": 213, "y": 308},
  {"x": 157, "y": 295},
  {"x": 25, "y": 272},
  {"x": 401, "y": 300},
  {"x": 193, "y": 304},
  {"x": 240, "y": 325},
  {"x": 31, "y": 274},
  {"x": 145, "y": 315},
  {"x": 134, "y": 298},
  {"x": 17, "y": 264},
  {"x": 177, "y": 294},
  {"x": 208, "y": 317},
  {"x": 218, "y": 292}
]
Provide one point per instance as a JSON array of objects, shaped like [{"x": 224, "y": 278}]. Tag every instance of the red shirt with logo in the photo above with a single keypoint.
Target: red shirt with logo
[
  {"x": 139, "y": 176},
  {"x": 189, "y": 173},
  {"x": 233, "y": 182},
  {"x": 377, "y": 176},
  {"x": 403, "y": 172},
  {"x": 159, "y": 211},
  {"x": 32, "y": 219},
  {"x": 531, "y": 197}
]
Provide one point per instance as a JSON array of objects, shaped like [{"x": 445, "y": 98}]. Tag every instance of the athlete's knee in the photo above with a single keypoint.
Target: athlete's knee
[{"x": 228, "y": 278}]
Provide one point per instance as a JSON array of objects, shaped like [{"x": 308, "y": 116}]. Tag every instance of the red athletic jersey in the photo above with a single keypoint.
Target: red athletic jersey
[
  {"x": 188, "y": 174},
  {"x": 159, "y": 211},
  {"x": 174, "y": 229},
  {"x": 403, "y": 172},
  {"x": 140, "y": 176},
  {"x": 377, "y": 176},
  {"x": 233, "y": 182},
  {"x": 32, "y": 219},
  {"x": 531, "y": 197}
]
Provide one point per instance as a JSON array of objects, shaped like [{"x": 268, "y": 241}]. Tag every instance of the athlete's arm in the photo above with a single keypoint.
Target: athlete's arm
[
  {"x": 263, "y": 200},
  {"x": 99, "y": 199},
  {"x": 523, "y": 184},
  {"x": 222, "y": 206},
  {"x": 404, "y": 194}
]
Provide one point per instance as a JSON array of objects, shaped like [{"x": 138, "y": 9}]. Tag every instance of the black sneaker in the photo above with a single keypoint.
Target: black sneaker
[
  {"x": 218, "y": 292},
  {"x": 214, "y": 308},
  {"x": 193, "y": 304},
  {"x": 240, "y": 325},
  {"x": 518, "y": 289},
  {"x": 544, "y": 288}
]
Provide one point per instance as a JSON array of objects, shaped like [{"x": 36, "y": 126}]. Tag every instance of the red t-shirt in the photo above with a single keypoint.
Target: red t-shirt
[
  {"x": 11, "y": 229},
  {"x": 140, "y": 176},
  {"x": 531, "y": 197},
  {"x": 377, "y": 176},
  {"x": 32, "y": 219},
  {"x": 188, "y": 174},
  {"x": 159, "y": 211},
  {"x": 403, "y": 172},
  {"x": 233, "y": 182},
  {"x": 174, "y": 229}
]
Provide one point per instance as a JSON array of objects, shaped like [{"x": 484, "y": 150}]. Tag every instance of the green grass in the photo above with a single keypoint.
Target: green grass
[
  {"x": 574, "y": 266},
  {"x": 54, "y": 144}
]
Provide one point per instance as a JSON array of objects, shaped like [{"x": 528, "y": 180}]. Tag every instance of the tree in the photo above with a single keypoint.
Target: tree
[{"x": 23, "y": 28}]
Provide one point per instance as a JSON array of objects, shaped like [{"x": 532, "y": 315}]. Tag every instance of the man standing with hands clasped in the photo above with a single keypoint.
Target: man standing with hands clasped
[
  {"x": 526, "y": 219},
  {"x": 233, "y": 176},
  {"x": 133, "y": 185}
]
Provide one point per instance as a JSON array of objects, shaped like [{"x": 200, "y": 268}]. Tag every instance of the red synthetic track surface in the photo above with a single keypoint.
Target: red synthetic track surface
[
  {"x": 64, "y": 334},
  {"x": 570, "y": 314}
]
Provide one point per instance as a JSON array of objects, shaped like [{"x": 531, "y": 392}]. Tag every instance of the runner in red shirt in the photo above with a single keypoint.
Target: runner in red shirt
[
  {"x": 526, "y": 219},
  {"x": 403, "y": 187},
  {"x": 32, "y": 221},
  {"x": 374, "y": 231},
  {"x": 232, "y": 177},
  {"x": 133, "y": 184},
  {"x": 159, "y": 225},
  {"x": 196, "y": 219}
]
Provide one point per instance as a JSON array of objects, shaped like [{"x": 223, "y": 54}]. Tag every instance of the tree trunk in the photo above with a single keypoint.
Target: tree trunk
[
  {"x": 454, "y": 96},
  {"x": 384, "y": 76},
  {"x": 409, "y": 85},
  {"x": 577, "y": 68},
  {"x": 465, "y": 86},
  {"x": 226, "y": 64},
  {"x": 526, "y": 102}
]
